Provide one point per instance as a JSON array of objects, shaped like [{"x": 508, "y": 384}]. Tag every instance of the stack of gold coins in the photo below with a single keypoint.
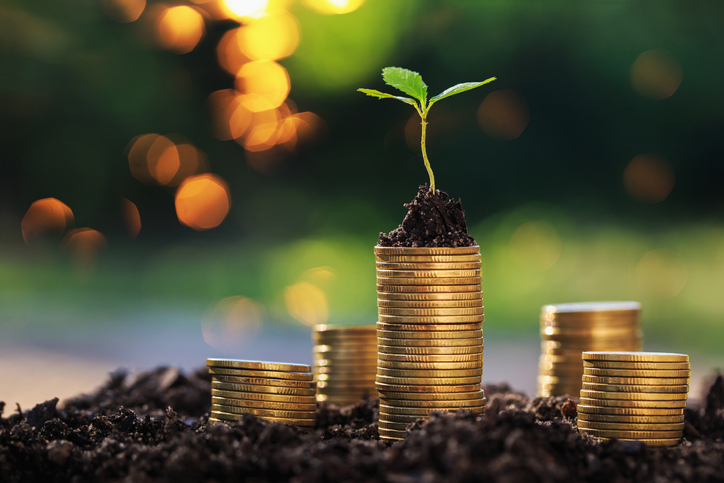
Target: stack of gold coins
[
  {"x": 429, "y": 334},
  {"x": 273, "y": 391},
  {"x": 345, "y": 363},
  {"x": 567, "y": 330},
  {"x": 634, "y": 396}
]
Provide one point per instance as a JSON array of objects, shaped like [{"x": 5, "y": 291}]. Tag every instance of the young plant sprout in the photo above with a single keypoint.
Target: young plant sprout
[{"x": 411, "y": 83}]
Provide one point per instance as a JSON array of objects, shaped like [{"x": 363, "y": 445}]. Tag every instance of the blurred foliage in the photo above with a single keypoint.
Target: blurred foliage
[{"x": 549, "y": 207}]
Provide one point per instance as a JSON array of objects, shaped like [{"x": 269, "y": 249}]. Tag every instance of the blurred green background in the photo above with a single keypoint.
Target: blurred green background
[{"x": 590, "y": 170}]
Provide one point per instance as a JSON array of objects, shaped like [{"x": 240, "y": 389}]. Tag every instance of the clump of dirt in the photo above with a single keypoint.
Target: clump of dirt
[
  {"x": 97, "y": 438},
  {"x": 432, "y": 220}
]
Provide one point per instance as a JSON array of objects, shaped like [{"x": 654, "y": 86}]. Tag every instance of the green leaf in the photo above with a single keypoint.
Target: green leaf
[
  {"x": 407, "y": 81},
  {"x": 384, "y": 95},
  {"x": 466, "y": 86}
]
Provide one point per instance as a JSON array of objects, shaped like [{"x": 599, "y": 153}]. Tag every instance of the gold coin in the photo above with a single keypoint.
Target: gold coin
[
  {"x": 430, "y": 304},
  {"x": 417, "y": 412},
  {"x": 591, "y": 371},
  {"x": 461, "y": 334},
  {"x": 612, "y": 418},
  {"x": 428, "y": 282},
  {"x": 606, "y": 433},
  {"x": 417, "y": 273},
  {"x": 432, "y": 312},
  {"x": 631, "y": 426},
  {"x": 383, "y": 371},
  {"x": 345, "y": 362},
  {"x": 258, "y": 365},
  {"x": 429, "y": 327},
  {"x": 632, "y": 396},
  {"x": 387, "y": 349},
  {"x": 430, "y": 342},
  {"x": 447, "y": 397},
  {"x": 444, "y": 405},
  {"x": 589, "y": 386},
  {"x": 451, "y": 251},
  {"x": 622, "y": 339},
  {"x": 340, "y": 400},
  {"x": 623, "y": 403},
  {"x": 344, "y": 387},
  {"x": 257, "y": 396},
  {"x": 637, "y": 381},
  {"x": 264, "y": 412},
  {"x": 429, "y": 266},
  {"x": 652, "y": 442},
  {"x": 651, "y": 366},
  {"x": 340, "y": 369},
  {"x": 427, "y": 289},
  {"x": 475, "y": 257},
  {"x": 283, "y": 406},
  {"x": 295, "y": 376},
  {"x": 264, "y": 382},
  {"x": 427, "y": 381},
  {"x": 406, "y": 388},
  {"x": 288, "y": 391},
  {"x": 476, "y": 295},
  {"x": 431, "y": 358},
  {"x": 411, "y": 418},
  {"x": 635, "y": 357},
  {"x": 592, "y": 307},
  {"x": 383, "y": 423},
  {"x": 357, "y": 377},
  {"x": 391, "y": 434},
  {"x": 584, "y": 409},
  {"x": 431, "y": 319},
  {"x": 237, "y": 417},
  {"x": 329, "y": 351},
  {"x": 432, "y": 365},
  {"x": 590, "y": 332}
]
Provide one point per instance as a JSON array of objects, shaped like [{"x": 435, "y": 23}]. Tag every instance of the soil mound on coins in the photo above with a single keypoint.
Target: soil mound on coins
[
  {"x": 154, "y": 427},
  {"x": 432, "y": 220}
]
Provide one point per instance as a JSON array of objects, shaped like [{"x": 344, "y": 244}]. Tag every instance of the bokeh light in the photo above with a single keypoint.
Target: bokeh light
[
  {"x": 123, "y": 11},
  {"x": 263, "y": 84},
  {"x": 179, "y": 28},
  {"x": 649, "y": 178},
  {"x": 131, "y": 217},
  {"x": 191, "y": 161},
  {"x": 656, "y": 74},
  {"x": 47, "y": 216},
  {"x": 138, "y": 156},
  {"x": 535, "y": 246},
  {"x": 232, "y": 324},
  {"x": 85, "y": 244},
  {"x": 503, "y": 115},
  {"x": 661, "y": 273},
  {"x": 228, "y": 52},
  {"x": 306, "y": 303},
  {"x": 271, "y": 37},
  {"x": 334, "y": 6},
  {"x": 203, "y": 201},
  {"x": 244, "y": 9},
  {"x": 163, "y": 160}
]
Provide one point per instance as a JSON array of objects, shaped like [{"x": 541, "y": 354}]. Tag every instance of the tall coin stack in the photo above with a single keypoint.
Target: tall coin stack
[
  {"x": 283, "y": 393},
  {"x": 634, "y": 396},
  {"x": 567, "y": 330},
  {"x": 429, "y": 334},
  {"x": 345, "y": 363}
]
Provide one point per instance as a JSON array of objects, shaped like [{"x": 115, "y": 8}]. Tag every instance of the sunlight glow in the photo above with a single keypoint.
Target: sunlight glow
[
  {"x": 203, "y": 201},
  {"x": 232, "y": 324},
  {"x": 179, "y": 29},
  {"x": 306, "y": 303}
]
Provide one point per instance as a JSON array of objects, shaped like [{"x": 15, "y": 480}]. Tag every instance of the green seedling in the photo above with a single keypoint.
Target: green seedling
[{"x": 411, "y": 83}]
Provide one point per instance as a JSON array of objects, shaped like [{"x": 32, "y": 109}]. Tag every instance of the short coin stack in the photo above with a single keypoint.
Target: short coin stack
[
  {"x": 634, "y": 396},
  {"x": 429, "y": 334},
  {"x": 345, "y": 363},
  {"x": 567, "y": 330},
  {"x": 283, "y": 393}
]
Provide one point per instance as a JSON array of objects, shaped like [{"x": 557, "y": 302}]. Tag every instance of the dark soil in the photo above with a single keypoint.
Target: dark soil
[
  {"x": 153, "y": 427},
  {"x": 432, "y": 220}
]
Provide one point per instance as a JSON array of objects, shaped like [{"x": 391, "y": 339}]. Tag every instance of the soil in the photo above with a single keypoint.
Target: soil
[
  {"x": 432, "y": 220},
  {"x": 154, "y": 427}
]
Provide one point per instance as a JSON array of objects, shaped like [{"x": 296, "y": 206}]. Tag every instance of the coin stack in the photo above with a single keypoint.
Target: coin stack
[
  {"x": 273, "y": 391},
  {"x": 345, "y": 363},
  {"x": 429, "y": 334},
  {"x": 567, "y": 330},
  {"x": 634, "y": 396}
]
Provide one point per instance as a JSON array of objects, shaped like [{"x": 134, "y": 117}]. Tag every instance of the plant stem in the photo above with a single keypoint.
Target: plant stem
[{"x": 423, "y": 115}]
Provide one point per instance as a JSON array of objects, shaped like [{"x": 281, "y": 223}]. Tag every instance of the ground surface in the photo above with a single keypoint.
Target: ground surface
[{"x": 153, "y": 427}]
